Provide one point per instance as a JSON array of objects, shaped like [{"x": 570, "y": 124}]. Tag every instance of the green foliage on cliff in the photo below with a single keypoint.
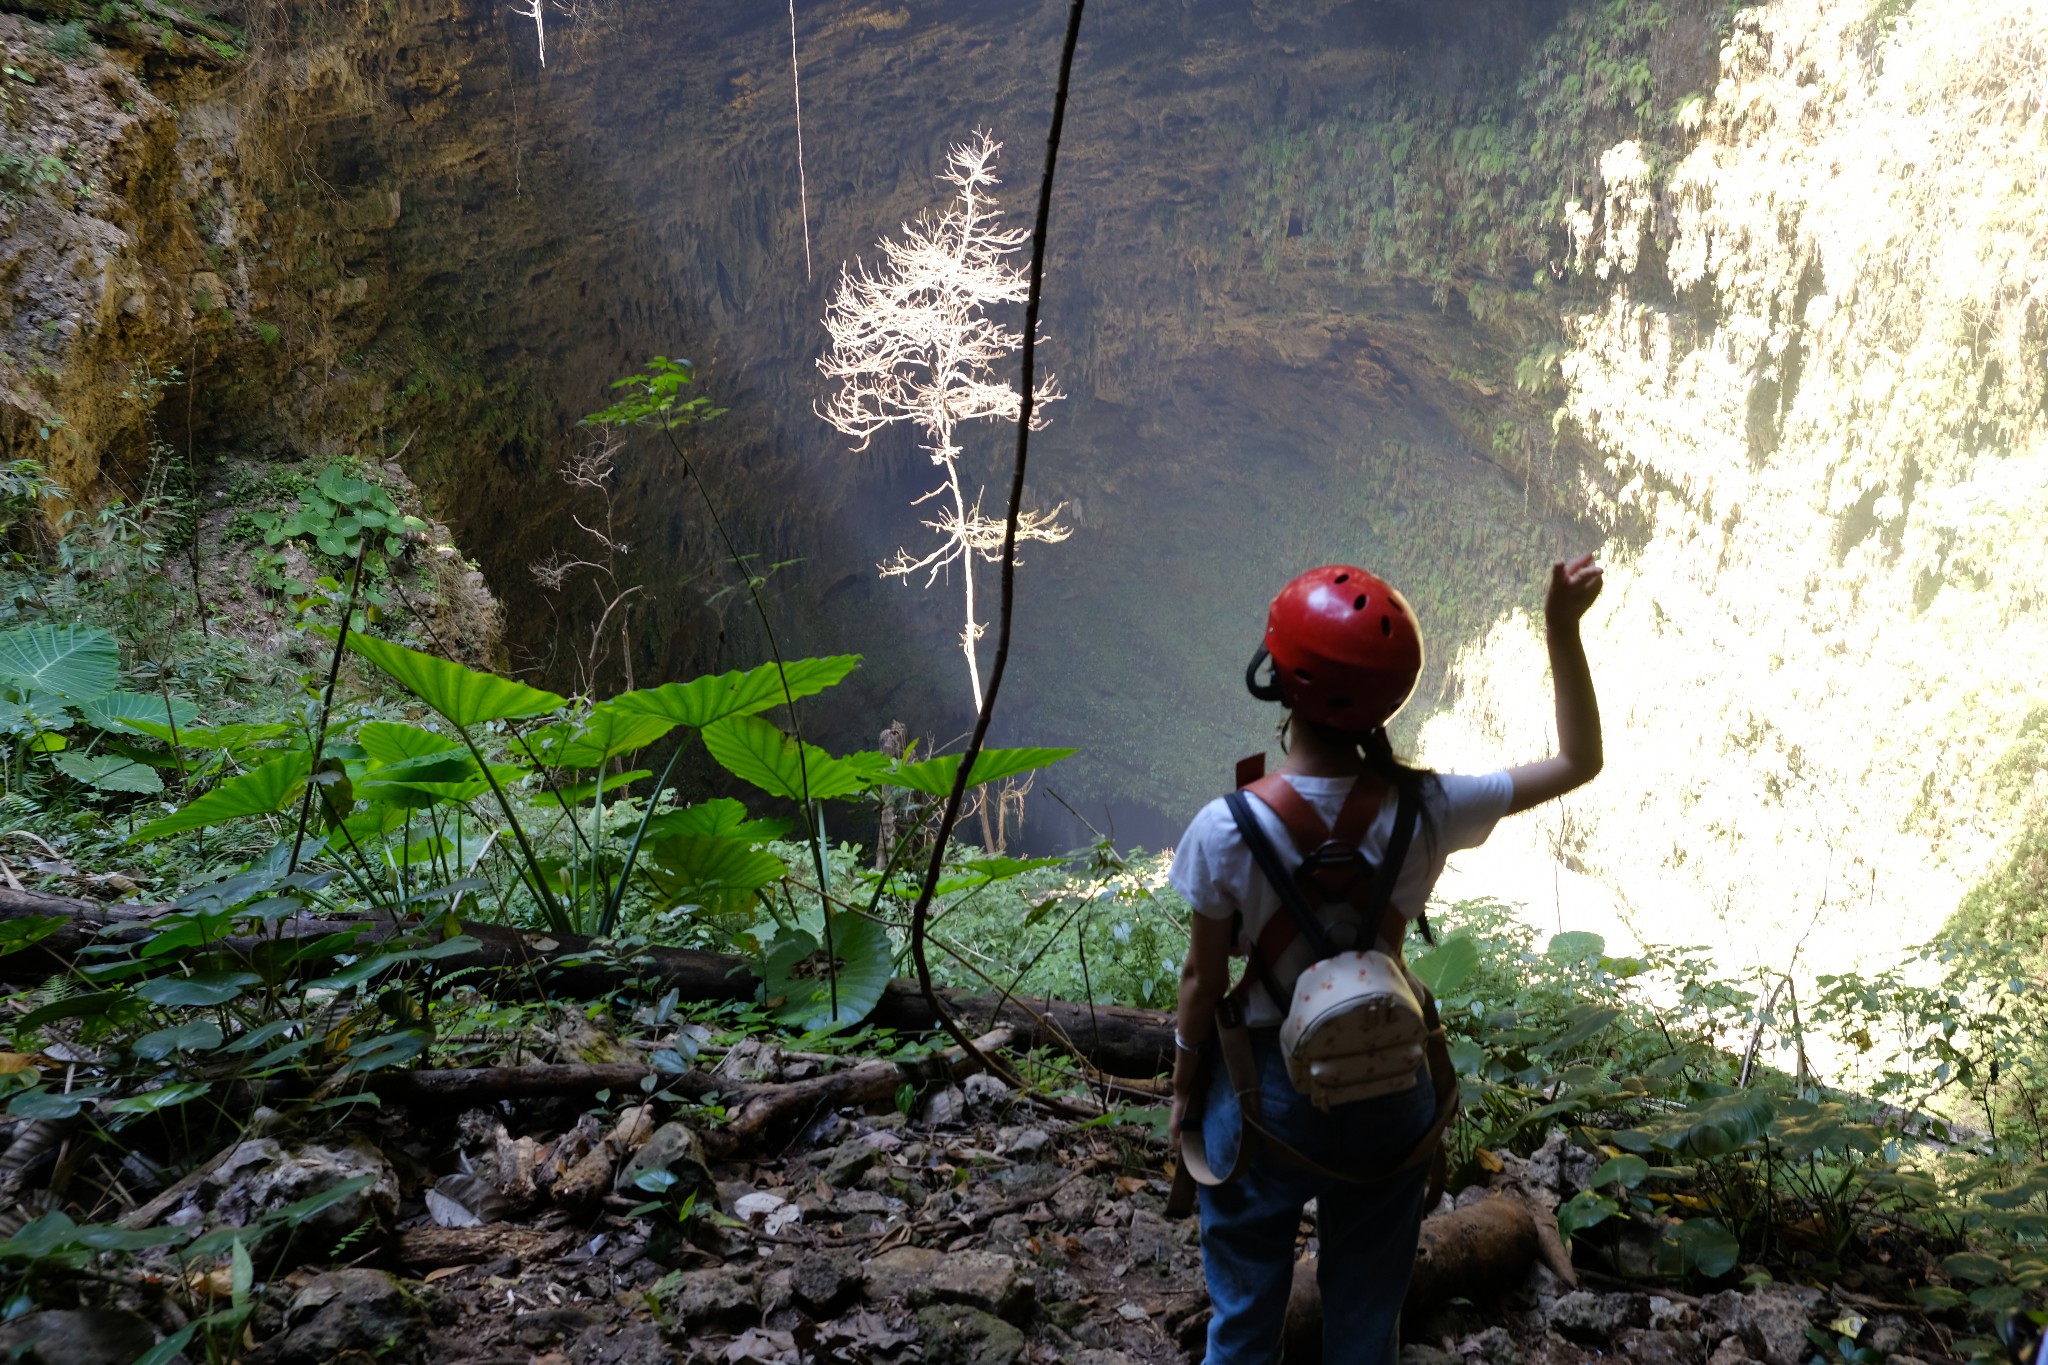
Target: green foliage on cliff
[{"x": 1429, "y": 177}]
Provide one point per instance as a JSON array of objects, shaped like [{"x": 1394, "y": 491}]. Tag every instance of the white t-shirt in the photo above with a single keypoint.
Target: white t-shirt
[{"x": 1214, "y": 870}]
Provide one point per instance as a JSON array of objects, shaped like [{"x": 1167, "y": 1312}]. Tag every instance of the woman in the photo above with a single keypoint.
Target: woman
[{"x": 1345, "y": 652}]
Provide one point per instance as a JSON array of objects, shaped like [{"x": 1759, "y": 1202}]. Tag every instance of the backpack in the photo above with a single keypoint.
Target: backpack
[
  {"x": 1355, "y": 1026},
  {"x": 1359, "y": 1024}
]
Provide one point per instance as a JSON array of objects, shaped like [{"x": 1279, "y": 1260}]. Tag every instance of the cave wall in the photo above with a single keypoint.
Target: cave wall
[
  {"x": 1815, "y": 367},
  {"x": 1237, "y": 380}
]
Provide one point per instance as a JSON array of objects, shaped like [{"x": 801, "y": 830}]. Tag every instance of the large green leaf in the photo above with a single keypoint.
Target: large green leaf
[
  {"x": 76, "y": 663},
  {"x": 724, "y": 818},
  {"x": 194, "y": 1035},
  {"x": 117, "y": 711},
  {"x": 607, "y": 732},
  {"x": 462, "y": 695},
  {"x": 1582, "y": 1024},
  {"x": 1806, "y": 1128},
  {"x": 1449, "y": 965},
  {"x": 1576, "y": 946},
  {"x": 164, "y": 1097},
  {"x": 700, "y": 702},
  {"x": 388, "y": 741},
  {"x": 261, "y": 791},
  {"x": 1584, "y": 1210},
  {"x": 337, "y": 483},
  {"x": 17, "y": 934},
  {"x": 754, "y": 751},
  {"x": 201, "y": 988},
  {"x": 719, "y": 874},
  {"x": 450, "y": 777},
  {"x": 239, "y": 740},
  {"x": 801, "y": 992},
  {"x": 1625, "y": 1170},
  {"x": 1707, "y": 1247},
  {"x": 449, "y": 765},
  {"x": 1975, "y": 1267},
  {"x": 1717, "y": 1127},
  {"x": 935, "y": 776},
  {"x": 108, "y": 772}
]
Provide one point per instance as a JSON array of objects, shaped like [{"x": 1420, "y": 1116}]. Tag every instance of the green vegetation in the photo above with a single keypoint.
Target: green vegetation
[
  {"x": 1461, "y": 183},
  {"x": 337, "y": 516},
  {"x": 1711, "y": 1164},
  {"x": 69, "y": 42}
]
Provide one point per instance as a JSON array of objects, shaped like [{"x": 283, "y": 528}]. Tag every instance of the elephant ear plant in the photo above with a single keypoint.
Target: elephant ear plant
[
  {"x": 508, "y": 802},
  {"x": 63, "y": 713}
]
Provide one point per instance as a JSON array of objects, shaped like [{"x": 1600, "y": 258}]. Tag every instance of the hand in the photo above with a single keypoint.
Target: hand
[
  {"x": 1574, "y": 586},
  {"x": 1180, "y": 1113}
]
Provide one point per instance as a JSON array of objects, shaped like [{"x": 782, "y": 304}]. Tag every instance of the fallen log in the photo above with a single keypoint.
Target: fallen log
[
  {"x": 431, "y": 1248},
  {"x": 1476, "y": 1252},
  {"x": 471, "y": 1086},
  {"x": 771, "y": 1110},
  {"x": 755, "y": 1113},
  {"x": 1114, "y": 1038}
]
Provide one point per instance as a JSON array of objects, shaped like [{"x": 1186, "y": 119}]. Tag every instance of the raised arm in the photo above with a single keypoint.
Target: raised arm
[{"x": 1573, "y": 587}]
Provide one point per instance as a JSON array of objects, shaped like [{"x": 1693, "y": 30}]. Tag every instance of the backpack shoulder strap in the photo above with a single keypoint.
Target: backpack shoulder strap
[
  {"x": 1407, "y": 818},
  {"x": 1294, "y": 811},
  {"x": 1306, "y": 922}
]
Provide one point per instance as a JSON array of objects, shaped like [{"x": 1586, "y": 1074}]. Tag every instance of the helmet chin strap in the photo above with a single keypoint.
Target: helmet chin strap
[{"x": 1268, "y": 690}]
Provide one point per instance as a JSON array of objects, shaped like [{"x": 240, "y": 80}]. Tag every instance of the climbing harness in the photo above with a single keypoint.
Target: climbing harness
[
  {"x": 1358, "y": 1024},
  {"x": 1345, "y": 647}
]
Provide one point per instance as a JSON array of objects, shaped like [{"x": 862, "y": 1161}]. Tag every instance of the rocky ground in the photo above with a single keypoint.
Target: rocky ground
[{"x": 965, "y": 1226}]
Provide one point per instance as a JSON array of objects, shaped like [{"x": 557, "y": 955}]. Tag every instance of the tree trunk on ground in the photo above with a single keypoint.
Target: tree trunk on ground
[
  {"x": 1116, "y": 1039},
  {"x": 1477, "y": 1252}
]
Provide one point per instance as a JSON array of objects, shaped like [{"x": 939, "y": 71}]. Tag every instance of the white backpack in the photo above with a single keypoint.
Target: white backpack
[{"x": 1354, "y": 1029}]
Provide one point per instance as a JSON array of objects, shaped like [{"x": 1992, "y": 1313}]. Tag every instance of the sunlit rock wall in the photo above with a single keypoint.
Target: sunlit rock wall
[{"x": 1817, "y": 376}]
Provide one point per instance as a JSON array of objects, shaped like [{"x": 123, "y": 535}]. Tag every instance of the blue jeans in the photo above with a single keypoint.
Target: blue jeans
[{"x": 1367, "y": 1232}]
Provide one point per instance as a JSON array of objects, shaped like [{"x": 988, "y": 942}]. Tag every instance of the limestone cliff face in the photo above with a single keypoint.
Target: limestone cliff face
[
  {"x": 117, "y": 227},
  {"x": 1816, "y": 369}
]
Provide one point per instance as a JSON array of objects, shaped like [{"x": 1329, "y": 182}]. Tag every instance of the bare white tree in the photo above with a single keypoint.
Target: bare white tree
[
  {"x": 574, "y": 10},
  {"x": 537, "y": 11},
  {"x": 913, "y": 342}
]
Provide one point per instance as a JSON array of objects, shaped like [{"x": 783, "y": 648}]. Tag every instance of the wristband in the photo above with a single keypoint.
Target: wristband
[{"x": 1182, "y": 1043}]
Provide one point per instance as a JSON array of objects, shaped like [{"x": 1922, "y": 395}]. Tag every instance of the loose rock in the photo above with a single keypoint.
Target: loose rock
[
  {"x": 822, "y": 1285},
  {"x": 985, "y": 1280},
  {"x": 1593, "y": 1319},
  {"x": 675, "y": 1148},
  {"x": 1491, "y": 1347},
  {"x": 724, "y": 1297},
  {"x": 1778, "y": 1318},
  {"x": 848, "y": 1162},
  {"x": 262, "y": 1177},
  {"x": 73, "y": 1337},
  {"x": 345, "y": 1311},
  {"x": 1658, "y": 1348},
  {"x": 955, "y": 1334}
]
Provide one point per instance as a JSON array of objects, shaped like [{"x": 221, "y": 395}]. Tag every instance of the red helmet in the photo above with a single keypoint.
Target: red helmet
[{"x": 1345, "y": 646}]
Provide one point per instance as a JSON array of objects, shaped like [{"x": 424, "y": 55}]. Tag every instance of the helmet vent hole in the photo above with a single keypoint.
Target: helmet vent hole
[
  {"x": 1339, "y": 703},
  {"x": 1386, "y": 625},
  {"x": 1343, "y": 578},
  {"x": 1302, "y": 674},
  {"x": 1358, "y": 604}
]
